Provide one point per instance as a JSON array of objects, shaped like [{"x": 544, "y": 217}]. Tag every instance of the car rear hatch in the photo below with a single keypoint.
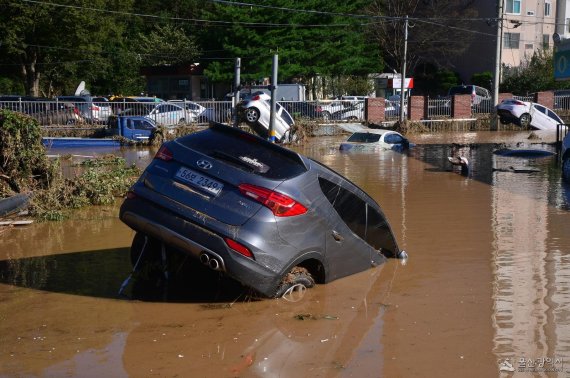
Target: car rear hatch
[{"x": 204, "y": 171}]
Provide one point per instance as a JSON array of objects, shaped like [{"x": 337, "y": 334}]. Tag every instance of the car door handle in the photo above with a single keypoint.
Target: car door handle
[{"x": 337, "y": 236}]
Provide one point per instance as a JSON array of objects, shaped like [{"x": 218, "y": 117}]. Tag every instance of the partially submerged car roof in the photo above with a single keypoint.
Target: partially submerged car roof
[{"x": 247, "y": 151}]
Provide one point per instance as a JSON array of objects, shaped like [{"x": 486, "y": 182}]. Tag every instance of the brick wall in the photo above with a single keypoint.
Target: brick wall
[
  {"x": 545, "y": 98},
  {"x": 461, "y": 106},
  {"x": 504, "y": 96},
  {"x": 417, "y": 108},
  {"x": 374, "y": 108}
]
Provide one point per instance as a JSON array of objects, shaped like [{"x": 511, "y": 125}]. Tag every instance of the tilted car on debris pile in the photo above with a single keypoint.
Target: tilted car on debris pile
[
  {"x": 528, "y": 114},
  {"x": 266, "y": 216},
  {"x": 256, "y": 111}
]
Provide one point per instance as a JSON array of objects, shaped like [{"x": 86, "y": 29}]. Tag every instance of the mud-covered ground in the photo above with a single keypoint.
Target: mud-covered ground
[{"x": 485, "y": 289}]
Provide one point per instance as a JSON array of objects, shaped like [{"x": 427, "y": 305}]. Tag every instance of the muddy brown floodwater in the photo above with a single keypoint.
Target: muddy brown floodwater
[{"x": 486, "y": 287}]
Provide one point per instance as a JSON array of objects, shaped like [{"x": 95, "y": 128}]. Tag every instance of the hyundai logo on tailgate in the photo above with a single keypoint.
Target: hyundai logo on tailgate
[{"x": 204, "y": 164}]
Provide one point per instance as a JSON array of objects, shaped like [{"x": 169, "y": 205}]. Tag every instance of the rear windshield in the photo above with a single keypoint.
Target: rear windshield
[
  {"x": 364, "y": 138},
  {"x": 246, "y": 151}
]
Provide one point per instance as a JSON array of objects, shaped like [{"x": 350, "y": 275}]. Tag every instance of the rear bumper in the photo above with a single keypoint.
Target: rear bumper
[{"x": 194, "y": 240}]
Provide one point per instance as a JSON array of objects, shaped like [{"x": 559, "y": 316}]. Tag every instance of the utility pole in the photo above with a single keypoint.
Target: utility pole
[
  {"x": 273, "y": 86},
  {"x": 498, "y": 54},
  {"x": 235, "y": 99},
  {"x": 403, "y": 71}
]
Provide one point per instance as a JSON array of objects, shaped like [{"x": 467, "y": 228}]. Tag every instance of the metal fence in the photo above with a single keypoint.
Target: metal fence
[{"x": 54, "y": 112}]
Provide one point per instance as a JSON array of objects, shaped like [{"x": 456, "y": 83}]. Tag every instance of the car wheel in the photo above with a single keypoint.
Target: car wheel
[
  {"x": 181, "y": 121},
  {"x": 504, "y": 121},
  {"x": 251, "y": 115},
  {"x": 298, "y": 278},
  {"x": 524, "y": 120},
  {"x": 326, "y": 115}
]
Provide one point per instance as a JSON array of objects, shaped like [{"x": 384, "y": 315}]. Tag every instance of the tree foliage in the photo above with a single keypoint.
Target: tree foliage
[
  {"x": 308, "y": 44},
  {"x": 429, "y": 39},
  {"x": 533, "y": 75},
  {"x": 167, "y": 45},
  {"x": 48, "y": 47}
]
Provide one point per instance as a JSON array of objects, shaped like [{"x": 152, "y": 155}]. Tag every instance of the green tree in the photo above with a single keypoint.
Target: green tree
[
  {"x": 309, "y": 44},
  {"x": 56, "y": 45},
  {"x": 167, "y": 45},
  {"x": 533, "y": 75},
  {"x": 483, "y": 79}
]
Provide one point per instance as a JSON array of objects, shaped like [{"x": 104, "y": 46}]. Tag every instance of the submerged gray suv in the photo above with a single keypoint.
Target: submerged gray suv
[{"x": 263, "y": 215}]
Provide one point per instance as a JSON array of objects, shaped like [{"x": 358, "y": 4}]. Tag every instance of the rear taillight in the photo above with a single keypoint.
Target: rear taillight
[
  {"x": 164, "y": 154},
  {"x": 517, "y": 102},
  {"x": 255, "y": 98},
  {"x": 95, "y": 108},
  {"x": 280, "y": 204},
  {"x": 239, "y": 248}
]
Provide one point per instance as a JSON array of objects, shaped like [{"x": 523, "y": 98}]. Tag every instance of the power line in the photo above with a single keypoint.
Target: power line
[{"x": 196, "y": 20}]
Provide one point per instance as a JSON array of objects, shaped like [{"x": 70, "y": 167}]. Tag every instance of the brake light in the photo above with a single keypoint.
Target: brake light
[
  {"x": 280, "y": 204},
  {"x": 164, "y": 154},
  {"x": 95, "y": 108},
  {"x": 255, "y": 98},
  {"x": 239, "y": 248}
]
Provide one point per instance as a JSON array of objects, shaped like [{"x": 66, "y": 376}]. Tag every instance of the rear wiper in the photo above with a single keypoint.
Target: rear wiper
[{"x": 252, "y": 164}]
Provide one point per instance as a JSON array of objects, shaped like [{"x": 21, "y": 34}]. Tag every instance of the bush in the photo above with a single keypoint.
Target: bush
[{"x": 24, "y": 165}]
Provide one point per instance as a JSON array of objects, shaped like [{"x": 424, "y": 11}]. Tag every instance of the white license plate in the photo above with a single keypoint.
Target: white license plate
[{"x": 199, "y": 180}]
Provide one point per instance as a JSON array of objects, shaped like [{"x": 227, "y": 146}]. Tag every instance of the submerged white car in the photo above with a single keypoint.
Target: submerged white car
[
  {"x": 256, "y": 112},
  {"x": 528, "y": 114},
  {"x": 375, "y": 139}
]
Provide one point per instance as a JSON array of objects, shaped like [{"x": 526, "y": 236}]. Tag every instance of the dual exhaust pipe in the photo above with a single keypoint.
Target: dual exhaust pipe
[{"x": 214, "y": 262}]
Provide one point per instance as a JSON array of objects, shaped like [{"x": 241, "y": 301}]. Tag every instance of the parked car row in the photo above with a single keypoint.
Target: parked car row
[{"x": 97, "y": 110}]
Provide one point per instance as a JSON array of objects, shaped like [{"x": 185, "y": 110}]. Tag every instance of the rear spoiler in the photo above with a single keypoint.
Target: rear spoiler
[{"x": 289, "y": 154}]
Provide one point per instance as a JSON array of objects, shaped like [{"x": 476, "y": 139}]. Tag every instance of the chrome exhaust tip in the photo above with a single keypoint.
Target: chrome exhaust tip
[
  {"x": 205, "y": 259},
  {"x": 214, "y": 264}
]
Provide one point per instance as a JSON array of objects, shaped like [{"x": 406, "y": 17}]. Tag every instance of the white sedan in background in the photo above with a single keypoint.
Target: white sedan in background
[
  {"x": 528, "y": 114},
  {"x": 375, "y": 139},
  {"x": 193, "y": 110}
]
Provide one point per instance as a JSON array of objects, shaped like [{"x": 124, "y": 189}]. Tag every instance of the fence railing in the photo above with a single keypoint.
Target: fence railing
[{"x": 54, "y": 112}]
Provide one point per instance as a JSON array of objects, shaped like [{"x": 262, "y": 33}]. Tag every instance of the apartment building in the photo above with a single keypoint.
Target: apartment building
[{"x": 528, "y": 26}]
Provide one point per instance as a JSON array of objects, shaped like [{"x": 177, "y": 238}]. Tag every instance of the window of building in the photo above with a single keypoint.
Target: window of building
[
  {"x": 528, "y": 46},
  {"x": 545, "y": 41},
  {"x": 547, "y": 8},
  {"x": 513, "y": 6},
  {"x": 511, "y": 40}
]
